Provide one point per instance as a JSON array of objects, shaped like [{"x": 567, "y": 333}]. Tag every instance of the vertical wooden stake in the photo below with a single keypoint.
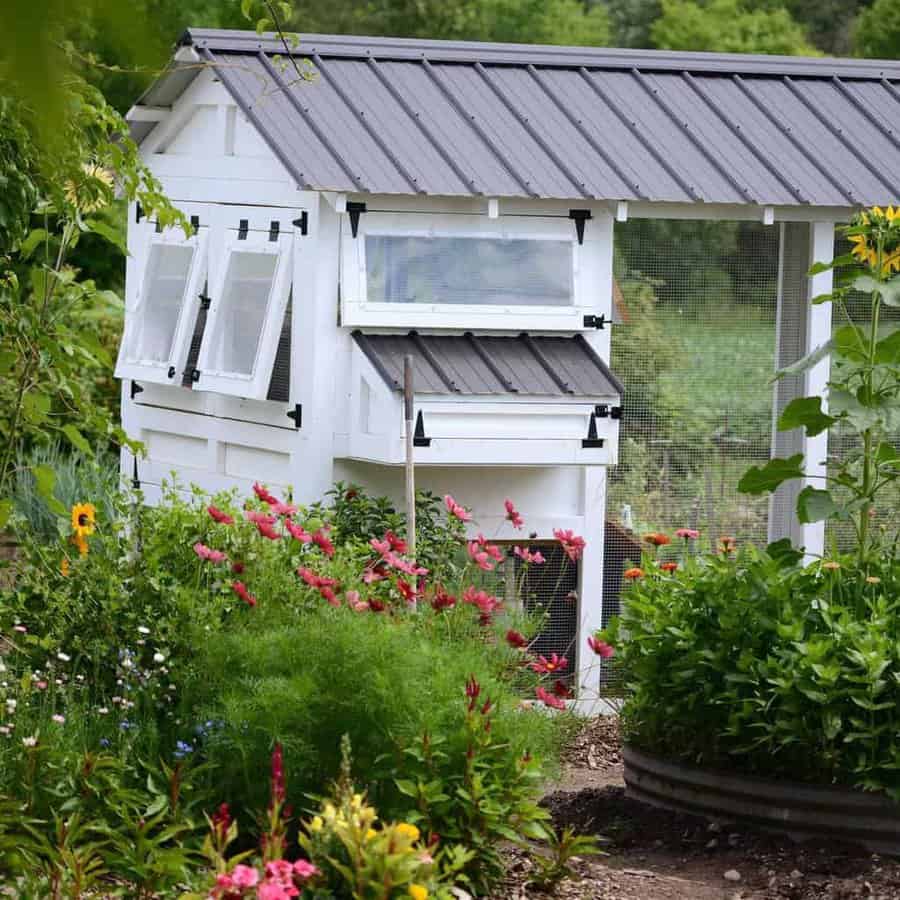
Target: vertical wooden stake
[{"x": 410, "y": 468}]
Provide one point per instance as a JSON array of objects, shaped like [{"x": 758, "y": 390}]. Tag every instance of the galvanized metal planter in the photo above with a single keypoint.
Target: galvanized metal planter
[{"x": 798, "y": 810}]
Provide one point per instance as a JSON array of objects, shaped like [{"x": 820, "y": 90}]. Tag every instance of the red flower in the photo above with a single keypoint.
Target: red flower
[
  {"x": 219, "y": 516},
  {"x": 241, "y": 590},
  {"x": 297, "y": 532},
  {"x": 397, "y": 544},
  {"x": 481, "y": 553},
  {"x": 516, "y": 639},
  {"x": 267, "y": 531},
  {"x": 669, "y": 566},
  {"x": 374, "y": 573},
  {"x": 549, "y": 699},
  {"x": 633, "y": 573},
  {"x": 221, "y": 820},
  {"x": 536, "y": 558},
  {"x": 688, "y": 533},
  {"x": 376, "y": 605},
  {"x": 409, "y": 593},
  {"x": 486, "y": 603},
  {"x": 315, "y": 580},
  {"x": 237, "y": 568},
  {"x": 657, "y": 538},
  {"x": 601, "y": 648},
  {"x": 278, "y": 789},
  {"x": 455, "y": 509},
  {"x": 210, "y": 555},
  {"x": 512, "y": 514},
  {"x": 473, "y": 689},
  {"x": 571, "y": 543},
  {"x": 442, "y": 600},
  {"x": 561, "y": 689},
  {"x": 264, "y": 495},
  {"x": 259, "y": 518},
  {"x": 328, "y": 594},
  {"x": 544, "y": 666},
  {"x": 322, "y": 541}
]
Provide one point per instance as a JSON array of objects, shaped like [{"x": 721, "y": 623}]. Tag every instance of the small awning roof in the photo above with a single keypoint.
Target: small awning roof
[{"x": 473, "y": 365}]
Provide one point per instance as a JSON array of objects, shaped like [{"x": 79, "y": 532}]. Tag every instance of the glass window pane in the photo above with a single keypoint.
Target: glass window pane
[
  {"x": 477, "y": 270},
  {"x": 165, "y": 279},
  {"x": 242, "y": 311}
]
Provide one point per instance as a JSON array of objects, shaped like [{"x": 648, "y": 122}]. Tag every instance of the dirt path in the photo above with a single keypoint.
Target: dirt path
[{"x": 658, "y": 855}]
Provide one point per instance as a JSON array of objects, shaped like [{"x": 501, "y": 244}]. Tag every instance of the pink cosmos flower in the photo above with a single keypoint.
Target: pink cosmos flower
[
  {"x": 486, "y": 603},
  {"x": 264, "y": 495},
  {"x": 544, "y": 666},
  {"x": 516, "y": 639},
  {"x": 601, "y": 648},
  {"x": 689, "y": 534},
  {"x": 259, "y": 518},
  {"x": 313, "y": 579},
  {"x": 329, "y": 595},
  {"x": 571, "y": 543},
  {"x": 409, "y": 593},
  {"x": 381, "y": 547},
  {"x": 526, "y": 555},
  {"x": 549, "y": 699},
  {"x": 219, "y": 516},
  {"x": 241, "y": 590},
  {"x": 323, "y": 542},
  {"x": 373, "y": 573},
  {"x": 397, "y": 544},
  {"x": 455, "y": 509},
  {"x": 408, "y": 567},
  {"x": 283, "y": 509},
  {"x": 297, "y": 532},
  {"x": 442, "y": 600},
  {"x": 213, "y": 556},
  {"x": 303, "y": 869},
  {"x": 481, "y": 553},
  {"x": 512, "y": 514},
  {"x": 267, "y": 531}
]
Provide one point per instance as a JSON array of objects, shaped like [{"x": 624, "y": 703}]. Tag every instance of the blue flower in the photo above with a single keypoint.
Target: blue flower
[
  {"x": 104, "y": 742},
  {"x": 125, "y": 725},
  {"x": 182, "y": 749}
]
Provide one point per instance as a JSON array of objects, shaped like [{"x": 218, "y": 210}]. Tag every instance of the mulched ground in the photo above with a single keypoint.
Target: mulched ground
[{"x": 655, "y": 854}]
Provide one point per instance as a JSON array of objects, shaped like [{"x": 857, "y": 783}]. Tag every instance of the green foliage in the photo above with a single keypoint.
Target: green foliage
[
  {"x": 877, "y": 32},
  {"x": 563, "y": 846},
  {"x": 730, "y": 26},
  {"x": 759, "y": 664}
]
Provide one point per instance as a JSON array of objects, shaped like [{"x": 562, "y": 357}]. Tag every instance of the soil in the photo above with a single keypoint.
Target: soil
[{"x": 654, "y": 854}]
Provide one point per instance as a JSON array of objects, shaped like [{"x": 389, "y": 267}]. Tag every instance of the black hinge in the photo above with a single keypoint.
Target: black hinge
[
  {"x": 354, "y": 210},
  {"x": 296, "y": 415},
  {"x": 136, "y": 389},
  {"x": 601, "y": 410},
  {"x": 195, "y": 224},
  {"x": 580, "y": 216},
  {"x": 592, "y": 440},
  {"x": 274, "y": 228},
  {"x": 243, "y": 228},
  {"x": 204, "y": 300},
  {"x": 595, "y": 321},
  {"x": 616, "y": 412},
  {"x": 195, "y": 375},
  {"x": 171, "y": 372},
  {"x": 302, "y": 223},
  {"x": 138, "y": 212},
  {"x": 419, "y": 439}
]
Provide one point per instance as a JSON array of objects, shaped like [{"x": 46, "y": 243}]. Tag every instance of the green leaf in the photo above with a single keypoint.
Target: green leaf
[
  {"x": 807, "y": 362},
  {"x": 44, "y": 479},
  {"x": 77, "y": 439},
  {"x": 805, "y": 412},
  {"x": 784, "y": 553},
  {"x": 814, "y": 505},
  {"x": 36, "y": 407},
  {"x": 889, "y": 290},
  {"x": 849, "y": 342},
  {"x": 887, "y": 350},
  {"x": 115, "y": 236},
  {"x": 34, "y": 239},
  {"x": 5, "y": 512},
  {"x": 761, "y": 479}
]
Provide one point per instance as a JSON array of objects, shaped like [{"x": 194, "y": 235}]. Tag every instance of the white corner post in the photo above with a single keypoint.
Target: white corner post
[
  {"x": 590, "y": 588},
  {"x": 801, "y": 327}
]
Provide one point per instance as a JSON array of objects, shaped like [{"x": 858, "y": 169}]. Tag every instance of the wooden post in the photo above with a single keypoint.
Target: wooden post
[{"x": 410, "y": 467}]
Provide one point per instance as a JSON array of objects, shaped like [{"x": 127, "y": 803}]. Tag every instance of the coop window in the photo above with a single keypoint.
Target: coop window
[
  {"x": 418, "y": 269},
  {"x": 249, "y": 298},
  {"x": 172, "y": 269}
]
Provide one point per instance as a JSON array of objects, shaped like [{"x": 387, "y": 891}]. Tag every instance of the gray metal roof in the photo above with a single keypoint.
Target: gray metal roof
[
  {"x": 461, "y": 118},
  {"x": 468, "y": 365}
]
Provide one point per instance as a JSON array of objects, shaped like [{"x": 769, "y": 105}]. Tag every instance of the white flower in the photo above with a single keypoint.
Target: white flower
[
  {"x": 30, "y": 741},
  {"x": 103, "y": 710},
  {"x": 63, "y": 656},
  {"x": 58, "y": 719},
  {"x": 158, "y": 658},
  {"x": 127, "y": 664},
  {"x": 142, "y": 629},
  {"x": 20, "y": 628},
  {"x": 11, "y": 703},
  {"x": 2, "y": 667}
]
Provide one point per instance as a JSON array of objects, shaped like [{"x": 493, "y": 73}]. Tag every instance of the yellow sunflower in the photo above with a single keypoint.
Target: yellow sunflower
[
  {"x": 84, "y": 517},
  {"x": 81, "y": 542},
  {"x": 92, "y": 191},
  {"x": 865, "y": 246}
]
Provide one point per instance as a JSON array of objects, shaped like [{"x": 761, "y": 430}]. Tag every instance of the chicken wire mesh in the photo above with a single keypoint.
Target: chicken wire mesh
[{"x": 694, "y": 342}]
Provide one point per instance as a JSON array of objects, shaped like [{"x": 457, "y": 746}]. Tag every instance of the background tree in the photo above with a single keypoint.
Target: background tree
[{"x": 878, "y": 30}]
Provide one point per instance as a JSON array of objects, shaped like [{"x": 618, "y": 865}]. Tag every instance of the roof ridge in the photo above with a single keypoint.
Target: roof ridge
[{"x": 391, "y": 48}]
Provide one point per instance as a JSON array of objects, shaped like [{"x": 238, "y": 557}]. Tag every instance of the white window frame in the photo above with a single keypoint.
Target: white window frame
[
  {"x": 142, "y": 242},
  {"x": 357, "y": 310},
  {"x": 255, "y": 385}
]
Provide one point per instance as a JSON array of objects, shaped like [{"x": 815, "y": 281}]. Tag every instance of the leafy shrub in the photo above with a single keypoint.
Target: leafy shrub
[{"x": 760, "y": 664}]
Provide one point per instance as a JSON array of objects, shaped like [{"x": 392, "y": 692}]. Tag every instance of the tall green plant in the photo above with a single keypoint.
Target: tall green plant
[{"x": 863, "y": 390}]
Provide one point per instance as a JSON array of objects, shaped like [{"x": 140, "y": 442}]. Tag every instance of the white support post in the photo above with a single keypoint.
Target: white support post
[
  {"x": 800, "y": 328},
  {"x": 590, "y": 588}
]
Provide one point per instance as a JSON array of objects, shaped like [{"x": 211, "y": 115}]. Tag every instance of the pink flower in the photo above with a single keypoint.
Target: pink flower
[
  {"x": 544, "y": 666},
  {"x": 264, "y": 495},
  {"x": 687, "y": 533},
  {"x": 283, "y": 509},
  {"x": 244, "y": 877},
  {"x": 272, "y": 890},
  {"x": 297, "y": 532},
  {"x": 259, "y": 518},
  {"x": 329, "y": 595},
  {"x": 481, "y": 553},
  {"x": 536, "y": 558},
  {"x": 512, "y": 514},
  {"x": 315, "y": 580},
  {"x": 280, "y": 870},
  {"x": 486, "y": 603},
  {"x": 409, "y": 593},
  {"x": 516, "y": 639},
  {"x": 380, "y": 547},
  {"x": 219, "y": 516},
  {"x": 322, "y": 541},
  {"x": 455, "y": 509},
  {"x": 442, "y": 600},
  {"x": 374, "y": 573},
  {"x": 571, "y": 543},
  {"x": 241, "y": 590},
  {"x": 213, "y": 556},
  {"x": 267, "y": 531},
  {"x": 549, "y": 699},
  {"x": 304, "y": 870},
  {"x": 601, "y": 648},
  {"x": 408, "y": 567},
  {"x": 397, "y": 544}
]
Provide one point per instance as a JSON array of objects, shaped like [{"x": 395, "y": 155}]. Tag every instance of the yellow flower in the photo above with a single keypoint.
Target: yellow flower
[
  {"x": 84, "y": 517},
  {"x": 81, "y": 543},
  {"x": 865, "y": 246},
  {"x": 408, "y": 831},
  {"x": 92, "y": 191},
  {"x": 418, "y": 891},
  {"x": 316, "y": 824},
  {"x": 371, "y": 834}
]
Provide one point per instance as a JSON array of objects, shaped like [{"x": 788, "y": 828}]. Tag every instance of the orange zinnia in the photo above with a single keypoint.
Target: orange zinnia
[
  {"x": 668, "y": 566},
  {"x": 657, "y": 538},
  {"x": 634, "y": 573}
]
